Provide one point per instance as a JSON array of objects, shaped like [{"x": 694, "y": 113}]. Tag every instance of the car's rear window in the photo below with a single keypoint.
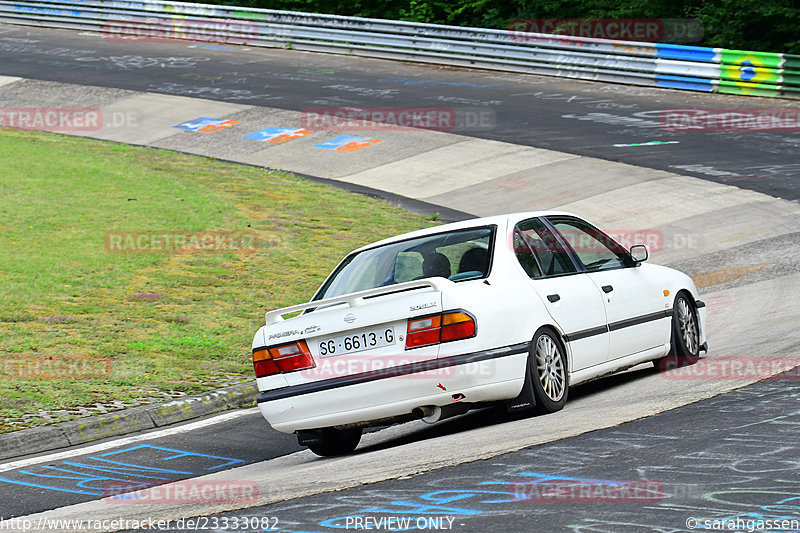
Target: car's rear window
[{"x": 456, "y": 255}]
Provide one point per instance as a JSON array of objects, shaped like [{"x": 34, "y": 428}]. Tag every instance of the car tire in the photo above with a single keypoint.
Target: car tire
[
  {"x": 549, "y": 369},
  {"x": 684, "y": 337},
  {"x": 330, "y": 441}
]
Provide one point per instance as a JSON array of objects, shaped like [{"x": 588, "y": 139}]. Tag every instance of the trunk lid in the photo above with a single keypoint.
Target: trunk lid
[{"x": 358, "y": 333}]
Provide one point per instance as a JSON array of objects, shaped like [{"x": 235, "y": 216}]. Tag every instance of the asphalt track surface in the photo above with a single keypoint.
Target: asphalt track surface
[
  {"x": 582, "y": 118},
  {"x": 59, "y": 481},
  {"x": 726, "y": 461},
  {"x": 568, "y": 116}
]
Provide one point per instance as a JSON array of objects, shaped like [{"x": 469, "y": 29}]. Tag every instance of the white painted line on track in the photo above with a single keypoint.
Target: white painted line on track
[{"x": 128, "y": 440}]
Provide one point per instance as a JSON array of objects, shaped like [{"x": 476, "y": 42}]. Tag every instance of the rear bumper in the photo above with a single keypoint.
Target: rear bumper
[{"x": 488, "y": 375}]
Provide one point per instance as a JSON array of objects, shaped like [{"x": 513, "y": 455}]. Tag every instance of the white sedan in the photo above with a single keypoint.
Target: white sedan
[{"x": 513, "y": 308}]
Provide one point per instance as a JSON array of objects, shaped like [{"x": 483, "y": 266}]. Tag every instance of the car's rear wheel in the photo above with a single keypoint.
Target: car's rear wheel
[
  {"x": 330, "y": 441},
  {"x": 550, "y": 378},
  {"x": 685, "y": 335}
]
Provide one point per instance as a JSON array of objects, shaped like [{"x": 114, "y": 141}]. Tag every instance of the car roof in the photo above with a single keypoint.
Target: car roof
[{"x": 464, "y": 224}]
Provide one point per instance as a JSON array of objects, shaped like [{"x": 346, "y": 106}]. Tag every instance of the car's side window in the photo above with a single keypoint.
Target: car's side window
[
  {"x": 539, "y": 252},
  {"x": 595, "y": 249}
]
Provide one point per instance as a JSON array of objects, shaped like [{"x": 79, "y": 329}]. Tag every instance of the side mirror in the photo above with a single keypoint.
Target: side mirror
[{"x": 639, "y": 253}]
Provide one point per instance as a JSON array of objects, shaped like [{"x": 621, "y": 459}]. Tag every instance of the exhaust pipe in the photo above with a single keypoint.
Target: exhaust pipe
[
  {"x": 431, "y": 414},
  {"x": 423, "y": 412}
]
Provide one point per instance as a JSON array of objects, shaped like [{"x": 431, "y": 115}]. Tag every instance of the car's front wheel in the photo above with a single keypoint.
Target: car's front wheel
[
  {"x": 549, "y": 365},
  {"x": 685, "y": 335},
  {"x": 330, "y": 441}
]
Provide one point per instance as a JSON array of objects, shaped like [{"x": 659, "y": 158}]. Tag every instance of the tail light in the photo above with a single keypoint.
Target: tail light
[
  {"x": 435, "y": 329},
  {"x": 282, "y": 358}
]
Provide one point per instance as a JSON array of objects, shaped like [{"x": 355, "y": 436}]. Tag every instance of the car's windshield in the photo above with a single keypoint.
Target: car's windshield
[{"x": 456, "y": 255}]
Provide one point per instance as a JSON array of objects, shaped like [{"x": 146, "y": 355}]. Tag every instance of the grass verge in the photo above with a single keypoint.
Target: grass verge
[{"x": 90, "y": 313}]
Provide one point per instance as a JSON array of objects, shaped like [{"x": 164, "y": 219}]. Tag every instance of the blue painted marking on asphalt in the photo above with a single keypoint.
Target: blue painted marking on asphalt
[
  {"x": 38, "y": 486},
  {"x": 135, "y": 467},
  {"x": 339, "y": 141},
  {"x": 465, "y": 494},
  {"x": 86, "y": 476},
  {"x": 95, "y": 491},
  {"x": 425, "y": 511},
  {"x": 196, "y": 124},
  {"x": 415, "y": 509},
  {"x": 270, "y": 133},
  {"x": 547, "y": 477},
  {"x": 77, "y": 480},
  {"x": 347, "y": 143},
  {"x": 179, "y": 454},
  {"x": 207, "y": 125},
  {"x": 422, "y": 508}
]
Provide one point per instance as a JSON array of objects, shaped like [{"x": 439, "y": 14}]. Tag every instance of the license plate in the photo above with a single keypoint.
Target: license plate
[{"x": 356, "y": 342}]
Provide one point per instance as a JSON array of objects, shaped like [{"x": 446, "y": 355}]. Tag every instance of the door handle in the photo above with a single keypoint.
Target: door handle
[
  {"x": 607, "y": 288},
  {"x": 553, "y": 297}
]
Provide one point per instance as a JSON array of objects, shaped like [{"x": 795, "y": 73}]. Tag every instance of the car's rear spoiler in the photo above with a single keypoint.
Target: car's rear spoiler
[{"x": 357, "y": 298}]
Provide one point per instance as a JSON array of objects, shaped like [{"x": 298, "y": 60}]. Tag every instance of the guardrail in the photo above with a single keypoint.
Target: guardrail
[{"x": 637, "y": 63}]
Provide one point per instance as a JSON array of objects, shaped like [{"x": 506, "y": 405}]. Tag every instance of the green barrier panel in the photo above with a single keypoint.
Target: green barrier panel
[
  {"x": 753, "y": 59},
  {"x": 791, "y": 78},
  {"x": 750, "y": 68},
  {"x": 747, "y": 89},
  {"x": 791, "y": 62}
]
